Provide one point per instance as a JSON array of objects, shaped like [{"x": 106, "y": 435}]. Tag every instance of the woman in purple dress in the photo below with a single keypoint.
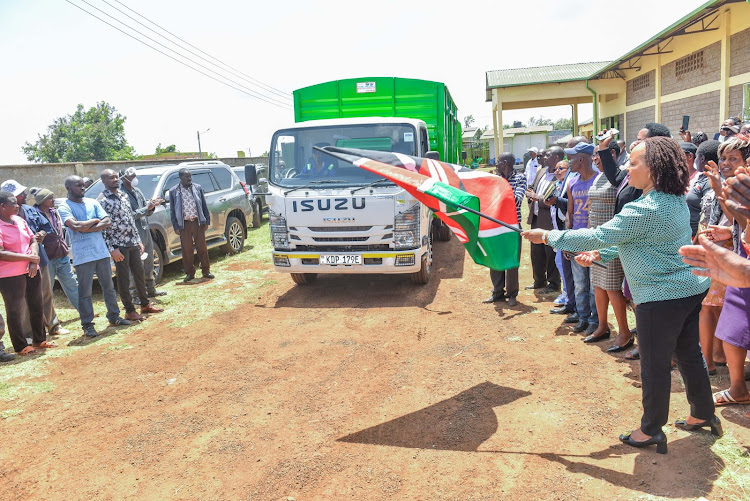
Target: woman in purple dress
[{"x": 734, "y": 323}]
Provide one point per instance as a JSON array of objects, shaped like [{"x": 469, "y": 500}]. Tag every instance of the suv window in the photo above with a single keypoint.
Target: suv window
[
  {"x": 223, "y": 176},
  {"x": 204, "y": 179}
]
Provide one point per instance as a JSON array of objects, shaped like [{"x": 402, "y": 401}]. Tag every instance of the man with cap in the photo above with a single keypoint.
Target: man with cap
[
  {"x": 579, "y": 162},
  {"x": 40, "y": 226},
  {"x": 56, "y": 247},
  {"x": 141, "y": 211},
  {"x": 689, "y": 149},
  {"x": 532, "y": 166},
  {"x": 124, "y": 245}
]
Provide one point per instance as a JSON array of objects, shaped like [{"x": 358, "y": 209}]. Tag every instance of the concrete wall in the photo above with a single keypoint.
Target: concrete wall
[
  {"x": 640, "y": 95},
  {"x": 703, "y": 110},
  {"x": 52, "y": 176},
  {"x": 636, "y": 120},
  {"x": 710, "y": 72},
  {"x": 739, "y": 51}
]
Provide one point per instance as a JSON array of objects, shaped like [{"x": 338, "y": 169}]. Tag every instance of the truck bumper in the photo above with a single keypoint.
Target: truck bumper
[{"x": 407, "y": 261}]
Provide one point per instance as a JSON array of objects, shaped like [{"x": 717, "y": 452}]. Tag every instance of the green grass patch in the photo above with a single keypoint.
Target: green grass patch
[
  {"x": 734, "y": 477},
  {"x": 10, "y": 413}
]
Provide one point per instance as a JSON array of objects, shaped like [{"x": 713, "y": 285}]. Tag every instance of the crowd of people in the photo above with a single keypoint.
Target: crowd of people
[
  {"x": 661, "y": 227},
  {"x": 36, "y": 243}
]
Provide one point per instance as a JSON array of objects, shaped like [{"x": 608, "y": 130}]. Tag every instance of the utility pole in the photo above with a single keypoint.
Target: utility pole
[{"x": 200, "y": 153}]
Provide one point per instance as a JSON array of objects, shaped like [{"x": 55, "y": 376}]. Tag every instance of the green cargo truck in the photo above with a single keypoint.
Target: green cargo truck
[
  {"x": 423, "y": 100},
  {"x": 330, "y": 217}
]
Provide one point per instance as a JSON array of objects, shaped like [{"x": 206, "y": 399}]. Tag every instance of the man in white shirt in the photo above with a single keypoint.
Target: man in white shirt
[{"x": 532, "y": 166}]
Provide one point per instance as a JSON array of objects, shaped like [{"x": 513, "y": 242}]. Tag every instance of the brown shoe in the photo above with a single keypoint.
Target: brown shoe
[
  {"x": 150, "y": 308},
  {"x": 134, "y": 317}
]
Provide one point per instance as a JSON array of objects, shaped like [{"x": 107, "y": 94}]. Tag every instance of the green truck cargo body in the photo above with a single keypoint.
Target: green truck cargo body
[{"x": 387, "y": 97}]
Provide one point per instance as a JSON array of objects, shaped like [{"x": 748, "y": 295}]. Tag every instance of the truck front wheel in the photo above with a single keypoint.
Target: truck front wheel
[
  {"x": 422, "y": 277},
  {"x": 444, "y": 233},
  {"x": 304, "y": 278}
]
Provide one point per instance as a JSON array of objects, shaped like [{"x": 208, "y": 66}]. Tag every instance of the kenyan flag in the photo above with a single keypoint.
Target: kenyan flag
[{"x": 436, "y": 184}]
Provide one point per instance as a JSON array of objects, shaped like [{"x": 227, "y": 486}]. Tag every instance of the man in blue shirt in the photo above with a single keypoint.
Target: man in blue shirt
[{"x": 86, "y": 220}]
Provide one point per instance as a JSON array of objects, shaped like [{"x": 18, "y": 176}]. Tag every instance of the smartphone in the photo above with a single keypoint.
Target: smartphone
[
  {"x": 685, "y": 122},
  {"x": 606, "y": 133}
]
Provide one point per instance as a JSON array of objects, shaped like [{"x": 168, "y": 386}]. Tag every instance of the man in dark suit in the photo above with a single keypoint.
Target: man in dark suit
[
  {"x": 543, "y": 264},
  {"x": 190, "y": 218}
]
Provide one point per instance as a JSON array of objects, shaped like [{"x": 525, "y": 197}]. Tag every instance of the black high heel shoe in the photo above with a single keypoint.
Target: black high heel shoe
[
  {"x": 660, "y": 439},
  {"x": 714, "y": 423}
]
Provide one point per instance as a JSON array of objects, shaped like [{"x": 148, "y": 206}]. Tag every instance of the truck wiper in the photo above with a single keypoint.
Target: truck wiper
[
  {"x": 370, "y": 185},
  {"x": 313, "y": 183}
]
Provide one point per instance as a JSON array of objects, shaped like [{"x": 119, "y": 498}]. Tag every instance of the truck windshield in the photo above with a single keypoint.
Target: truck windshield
[{"x": 293, "y": 162}]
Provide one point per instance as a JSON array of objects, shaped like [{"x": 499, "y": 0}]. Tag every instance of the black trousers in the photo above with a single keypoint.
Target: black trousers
[
  {"x": 505, "y": 283},
  {"x": 131, "y": 266},
  {"x": 19, "y": 291},
  {"x": 666, "y": 328},
  {"x": 543, "y": 265}
]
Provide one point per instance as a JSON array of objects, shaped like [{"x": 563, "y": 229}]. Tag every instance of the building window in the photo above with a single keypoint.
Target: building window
[
  {"x": 689, "y": 63},
  {"x": 641, "y": 82}
]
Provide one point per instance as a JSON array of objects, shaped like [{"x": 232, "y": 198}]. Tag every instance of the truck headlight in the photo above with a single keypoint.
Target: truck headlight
[
  {"x": 406, "y": 229},
  {"x": 279, "y": 231}
]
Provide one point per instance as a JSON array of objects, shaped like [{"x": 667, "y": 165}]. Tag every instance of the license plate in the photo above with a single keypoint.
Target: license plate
[{"x": 341, "y": 259}]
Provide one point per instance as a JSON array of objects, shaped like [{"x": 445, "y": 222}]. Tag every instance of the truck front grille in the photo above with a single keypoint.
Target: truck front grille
[
  {"x": 341, "y": 239},
  {"x": 319, "y": 229},
  {"x": 342, "y": 248}
]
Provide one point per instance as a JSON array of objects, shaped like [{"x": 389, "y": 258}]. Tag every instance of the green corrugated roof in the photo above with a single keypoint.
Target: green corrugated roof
[{"x": 543, "y": 74}]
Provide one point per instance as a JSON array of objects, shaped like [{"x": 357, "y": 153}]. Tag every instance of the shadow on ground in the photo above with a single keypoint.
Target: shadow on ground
[{"x": 460, "y": 423}]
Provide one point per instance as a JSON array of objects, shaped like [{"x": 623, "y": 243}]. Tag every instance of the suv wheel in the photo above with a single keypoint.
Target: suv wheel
[
  {"x": 257, "y": 214},
  {"x": 158, "y": 263},
  {"x": 235, "y": 235}
]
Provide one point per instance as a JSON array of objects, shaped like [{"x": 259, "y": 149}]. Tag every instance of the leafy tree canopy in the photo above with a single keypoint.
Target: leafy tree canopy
[
  {"x": 95, "y": 134},
  {"x": 468, "y": 120},
  {"x": 167, "y": 149}
]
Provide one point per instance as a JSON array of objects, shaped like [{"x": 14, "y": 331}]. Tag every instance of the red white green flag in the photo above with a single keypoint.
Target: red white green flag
[{"x": 443, "y": 187}]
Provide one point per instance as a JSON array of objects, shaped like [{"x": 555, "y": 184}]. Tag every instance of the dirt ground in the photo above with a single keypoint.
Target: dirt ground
[{"x": 364, "y": 387}]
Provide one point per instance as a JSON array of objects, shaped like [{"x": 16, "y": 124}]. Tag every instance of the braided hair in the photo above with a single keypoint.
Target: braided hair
[{"x": 666, "y": 161}]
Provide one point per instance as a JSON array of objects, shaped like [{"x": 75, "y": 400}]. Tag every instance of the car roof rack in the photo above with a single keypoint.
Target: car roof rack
[{"x": 202, "y": 162}]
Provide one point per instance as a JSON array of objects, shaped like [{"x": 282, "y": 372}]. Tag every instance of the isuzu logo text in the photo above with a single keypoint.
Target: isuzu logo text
[{"x": 328, "y": 204}]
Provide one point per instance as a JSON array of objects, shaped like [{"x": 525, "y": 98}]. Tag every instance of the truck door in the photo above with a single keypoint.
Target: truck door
[{"x": 424, "y": 142}]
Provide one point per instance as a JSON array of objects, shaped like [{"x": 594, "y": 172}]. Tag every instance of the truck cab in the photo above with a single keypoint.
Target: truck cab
[{"x": 327, "y": 216}]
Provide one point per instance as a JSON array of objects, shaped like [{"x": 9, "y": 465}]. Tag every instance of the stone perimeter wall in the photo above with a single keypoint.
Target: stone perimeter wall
[{"x": 52, "y": 176}]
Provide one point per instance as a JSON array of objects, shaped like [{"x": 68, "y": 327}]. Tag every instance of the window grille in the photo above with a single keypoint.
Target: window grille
[
  {"x": 641, "y": 82},
  {"x": 689, "y": 63}
]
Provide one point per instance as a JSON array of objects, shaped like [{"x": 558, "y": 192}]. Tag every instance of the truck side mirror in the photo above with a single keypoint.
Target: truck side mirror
[
  {"x": 251, "y": 175},
  {"x": 432, "y": 155}
]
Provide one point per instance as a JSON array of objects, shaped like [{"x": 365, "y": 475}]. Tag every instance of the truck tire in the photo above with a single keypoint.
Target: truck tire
[
  {"x": 304, "y": 278},
  {"x": 257, "y": 214},
  {"x": 422, "y": 277},
  {"x": 235, "y": 235},
  {"x": 444, "y": 233},
  {"x": 158, "y": 263}
]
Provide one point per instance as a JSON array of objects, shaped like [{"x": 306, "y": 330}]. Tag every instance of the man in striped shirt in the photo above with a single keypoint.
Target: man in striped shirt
[{"x": 505, "y": 283}]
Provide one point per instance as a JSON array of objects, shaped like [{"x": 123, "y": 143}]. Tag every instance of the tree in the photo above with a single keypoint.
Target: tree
[
  {"x": 564, "y": 124},
  {"x": 169, "y": 149},
  {"x": 539, "y": 121},
  {"x": 86, "y": 135},
  {"x": 468, "y": 120}
]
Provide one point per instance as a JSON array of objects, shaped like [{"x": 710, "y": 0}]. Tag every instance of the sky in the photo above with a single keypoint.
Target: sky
[{"x": 56, "y": 56}]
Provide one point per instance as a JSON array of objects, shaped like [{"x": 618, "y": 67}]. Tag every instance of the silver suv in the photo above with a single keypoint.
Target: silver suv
[{"x": 227, "y": 199}]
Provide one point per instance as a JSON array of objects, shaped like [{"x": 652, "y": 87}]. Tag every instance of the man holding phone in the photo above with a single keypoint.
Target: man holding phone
[
  {"x": 141, "y": 211},
  {"x": 546, "y": 274}
]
